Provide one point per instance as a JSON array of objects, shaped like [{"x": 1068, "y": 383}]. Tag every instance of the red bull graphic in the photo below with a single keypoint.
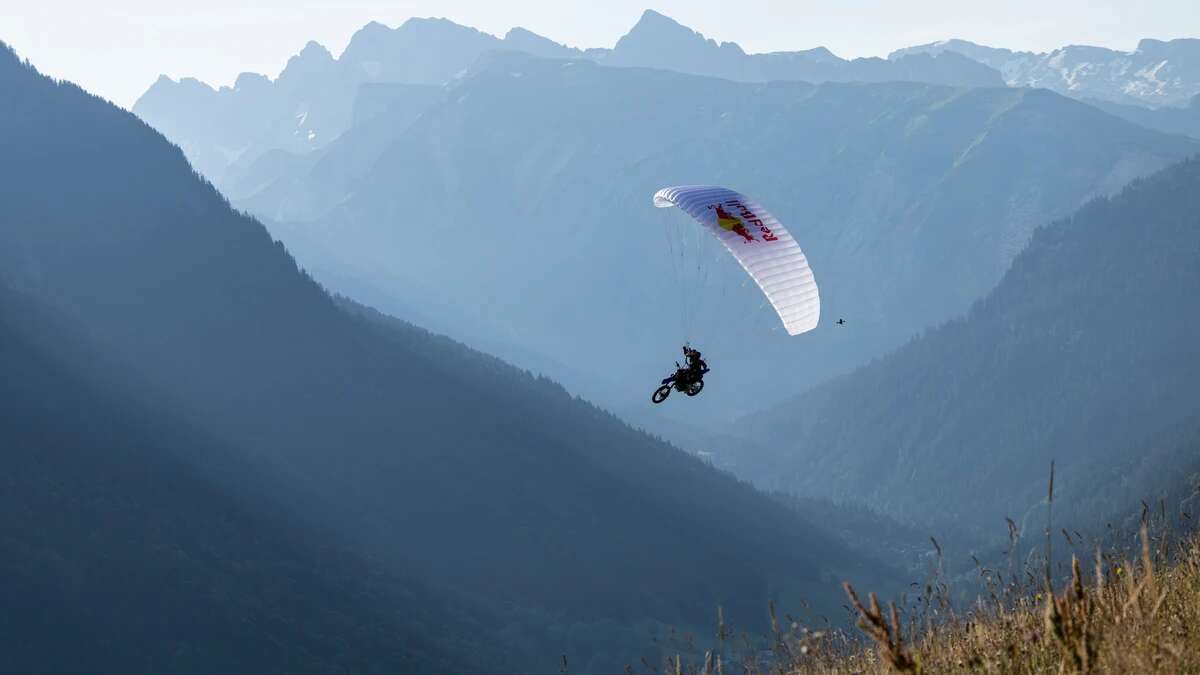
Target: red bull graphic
[
  {"x": 732, "y": 223},
  {"x": 737, "y": 223}
]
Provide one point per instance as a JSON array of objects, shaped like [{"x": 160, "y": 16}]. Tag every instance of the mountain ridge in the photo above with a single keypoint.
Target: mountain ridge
[
  {"x": 1157, "y": 73},
  {"x": 308, "y": 104},
  {"x": 434, "y": 51},
  {"x": 657, "y": 41}
]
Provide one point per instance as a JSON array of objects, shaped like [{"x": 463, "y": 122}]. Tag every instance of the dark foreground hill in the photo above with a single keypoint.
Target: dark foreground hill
[
  {"x": 134, "y": 542},
  {"x": 426, "y": 457},
  {"x": 1087, "y": 353}
]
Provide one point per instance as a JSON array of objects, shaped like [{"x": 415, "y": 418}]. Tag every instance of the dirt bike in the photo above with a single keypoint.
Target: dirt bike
[{"x": 684, "y": 380}]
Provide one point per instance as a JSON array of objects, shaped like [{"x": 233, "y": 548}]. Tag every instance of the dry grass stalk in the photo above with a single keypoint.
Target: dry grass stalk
[
  {"x": 1070, "y": 619},
  {"x": 1126, "y": 616},
  {"x": 888, "y": 636},
  {"x": 1134, "y": 616}
]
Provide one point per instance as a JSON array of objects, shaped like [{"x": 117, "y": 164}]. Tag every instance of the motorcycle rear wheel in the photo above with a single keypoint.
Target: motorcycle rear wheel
[{"x": 695, "y": 387}]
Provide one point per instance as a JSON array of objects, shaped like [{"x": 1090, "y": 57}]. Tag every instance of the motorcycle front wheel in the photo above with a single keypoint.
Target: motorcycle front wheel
[
  {"x": 695, "y": 387},
  {"x": 661, "y": 393}
]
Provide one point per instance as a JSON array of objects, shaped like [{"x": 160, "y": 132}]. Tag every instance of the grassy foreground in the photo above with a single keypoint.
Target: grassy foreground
[
  {"x": 1112, "y": 616},
  {"x": 1138, "y": 614}
]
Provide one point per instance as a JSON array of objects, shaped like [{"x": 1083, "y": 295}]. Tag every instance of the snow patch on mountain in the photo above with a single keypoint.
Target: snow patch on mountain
[{"x": 1156, "y": 74}]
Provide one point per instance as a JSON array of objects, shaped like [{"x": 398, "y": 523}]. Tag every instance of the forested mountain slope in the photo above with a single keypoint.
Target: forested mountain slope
[
  {"x": 133, "y": 541},
  {"x": 1086, "y": 353}
]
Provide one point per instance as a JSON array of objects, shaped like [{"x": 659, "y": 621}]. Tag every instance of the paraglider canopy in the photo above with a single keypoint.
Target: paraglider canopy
[{"x": 760, "y": 243}]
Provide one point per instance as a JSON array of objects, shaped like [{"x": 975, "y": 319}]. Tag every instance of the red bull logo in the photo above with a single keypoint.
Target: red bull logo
[
  {"x": 732, "y": 223},
  {"x": 737, "y": 223}
]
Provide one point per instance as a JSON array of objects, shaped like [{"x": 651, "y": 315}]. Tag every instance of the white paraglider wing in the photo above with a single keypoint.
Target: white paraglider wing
[{"x": 760, "y": 243}]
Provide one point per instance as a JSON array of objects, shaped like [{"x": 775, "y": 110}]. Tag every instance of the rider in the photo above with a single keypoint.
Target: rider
[{"x": 695, "y": 365}]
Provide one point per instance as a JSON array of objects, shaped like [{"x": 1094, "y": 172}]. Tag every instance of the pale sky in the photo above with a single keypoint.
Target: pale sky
[{"x": 117, "y": 48}]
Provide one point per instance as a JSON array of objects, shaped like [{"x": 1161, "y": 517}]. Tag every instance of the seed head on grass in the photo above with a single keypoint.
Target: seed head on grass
[{"x": 888, "y": 636}]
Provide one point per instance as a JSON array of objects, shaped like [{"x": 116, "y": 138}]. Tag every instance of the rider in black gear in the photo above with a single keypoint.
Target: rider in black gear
[{"x": 696, "y": 365}]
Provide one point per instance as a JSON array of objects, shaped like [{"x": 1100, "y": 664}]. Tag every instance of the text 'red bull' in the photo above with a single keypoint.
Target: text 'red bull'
[{"x": 736, "y": 225}]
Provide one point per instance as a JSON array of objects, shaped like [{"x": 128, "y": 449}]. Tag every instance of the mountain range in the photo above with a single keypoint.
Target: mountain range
[
  {"x": 432, "y": 463},
  {"x": 909, "y": 200},
  {"x": 312, "y": 101}
]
